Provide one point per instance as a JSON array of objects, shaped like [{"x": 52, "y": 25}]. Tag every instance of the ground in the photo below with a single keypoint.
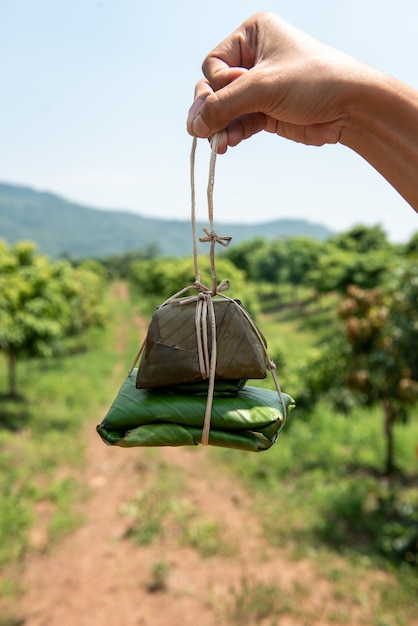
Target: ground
[{"x": 96, "y": 576}]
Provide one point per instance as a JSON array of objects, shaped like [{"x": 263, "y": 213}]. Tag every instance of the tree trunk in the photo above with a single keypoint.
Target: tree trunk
[
  {"x": 11, "y": 359},
  {"x": 389, "y": 421}
]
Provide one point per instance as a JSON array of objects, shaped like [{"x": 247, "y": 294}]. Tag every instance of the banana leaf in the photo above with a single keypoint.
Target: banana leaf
[{"x": 250, "y": 420}]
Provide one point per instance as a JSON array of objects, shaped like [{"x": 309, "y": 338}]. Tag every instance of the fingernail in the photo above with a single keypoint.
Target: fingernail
[
  {"x": 223, "y": 142},
  {"x": 199, "y": 128},
  {"x": 195, "y": 108}
]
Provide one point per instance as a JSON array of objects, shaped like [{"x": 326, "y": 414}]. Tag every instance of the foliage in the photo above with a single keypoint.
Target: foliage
[
  {"x": 164, "y": 277},
  {"x": 160, "y": 571},
  {"x": 411, "y": 247},
  {"x": 339, "y": 268},
  {"x": 119, "y": 265},
  {"x": 370, "y": 359},
  {"x": 367, "y": 512},
  {"x": 243, "y": 256},
  {"x": 361, "y": 256},
  {"x": 42, "y": 303},
  {"x": 253, "y": 602},
  {"x": 301, "y": 254},
  {"x": 282, "y": 260},
  {"x": 361, "y": 239}
]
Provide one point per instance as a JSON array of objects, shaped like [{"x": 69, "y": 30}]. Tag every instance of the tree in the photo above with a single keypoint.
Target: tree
[
  {"x": 301, "y": 255},
  {"x": 164, "y": 277},
  {"x": 361, "y": 256},
  {"x": 361, "y": 239},
  {"x": 42, "y": 303},
  {"x": 243, "y": 254},
  {"x": 411, "y": 247},
  {"x": 373, "y": 361},
  {"x": 267, "y": 263}
]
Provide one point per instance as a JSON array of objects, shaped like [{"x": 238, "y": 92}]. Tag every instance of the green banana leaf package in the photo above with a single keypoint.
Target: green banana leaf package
[{"x": 248, "y": 419}]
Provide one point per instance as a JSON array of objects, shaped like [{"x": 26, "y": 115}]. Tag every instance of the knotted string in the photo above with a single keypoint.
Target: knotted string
[
  {"x": 211, "y": 235},
  {"x": 205, "y": 314},
  {"x": 205, "y": 296}
]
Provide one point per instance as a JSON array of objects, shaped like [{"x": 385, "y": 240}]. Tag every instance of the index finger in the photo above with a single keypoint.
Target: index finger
[
  {"x": 229, "y": 60},
  {"x": 202, "y": 91}
]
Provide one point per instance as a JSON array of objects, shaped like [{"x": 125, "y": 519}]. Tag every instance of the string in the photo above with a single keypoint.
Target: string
[
  {"x": 193, "y": 207},
  {"x": 205, "y": 314},
  {"x": 213, "y": 238}
]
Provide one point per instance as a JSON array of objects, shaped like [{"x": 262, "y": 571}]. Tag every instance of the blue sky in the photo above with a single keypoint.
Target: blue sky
[{"x": 95, "y": 93}]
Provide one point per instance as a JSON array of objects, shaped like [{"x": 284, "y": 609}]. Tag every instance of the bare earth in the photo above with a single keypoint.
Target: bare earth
[{"x": 95, "y": 576}]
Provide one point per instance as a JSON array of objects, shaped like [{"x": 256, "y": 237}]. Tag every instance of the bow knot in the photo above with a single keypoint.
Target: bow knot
[
  {"x": 213, "y": 237},
  {"x": 204, "y": 290}
]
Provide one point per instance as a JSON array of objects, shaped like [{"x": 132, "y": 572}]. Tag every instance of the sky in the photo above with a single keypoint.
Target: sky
[{"x": 95, "y": 94}]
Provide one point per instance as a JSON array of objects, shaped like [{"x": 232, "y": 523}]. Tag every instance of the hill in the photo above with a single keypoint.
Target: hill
[{"x": 63, "y": 228}]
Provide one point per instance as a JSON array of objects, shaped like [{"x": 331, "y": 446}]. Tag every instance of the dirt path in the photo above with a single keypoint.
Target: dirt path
[{"x": 95, "y": 576}]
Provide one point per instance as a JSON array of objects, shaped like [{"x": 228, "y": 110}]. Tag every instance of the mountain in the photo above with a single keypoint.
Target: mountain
[{"x": 63, "y": 228}]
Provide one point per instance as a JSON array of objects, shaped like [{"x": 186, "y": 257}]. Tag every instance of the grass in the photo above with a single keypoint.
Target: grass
[
  {"x": 160, "y": 572},
  {"x": 163, "y": 508},
  {"x": 256, "y": 603},
  {"x": 149, "y": 510},
  {"x": 42, "y": 434}
]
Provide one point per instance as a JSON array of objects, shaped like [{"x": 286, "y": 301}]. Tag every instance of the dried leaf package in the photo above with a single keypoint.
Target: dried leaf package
[{"x": 170, "y": 354}]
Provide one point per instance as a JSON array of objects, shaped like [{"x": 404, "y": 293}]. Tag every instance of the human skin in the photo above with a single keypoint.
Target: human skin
[{"x": 269, "y": 75}]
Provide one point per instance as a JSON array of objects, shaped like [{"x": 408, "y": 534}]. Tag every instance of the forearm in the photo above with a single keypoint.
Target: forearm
[{"x": 383, "y": 128}]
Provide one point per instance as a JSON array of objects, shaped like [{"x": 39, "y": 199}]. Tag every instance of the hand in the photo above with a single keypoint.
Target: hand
[{"x": 268, "y": 75}]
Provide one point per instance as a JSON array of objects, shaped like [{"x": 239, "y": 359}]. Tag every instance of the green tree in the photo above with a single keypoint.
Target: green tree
[
  {"x": 411, "y": 247},
  {"x": 119, "y": 265},
  {"x": 42, "y": 303},
  {"x": 164, "y": 277},
  {"x": 242, "y": 255},
  {"x": 267, "y": 262},
  {"x": 301, "y": 255},
  {"x": 362, "y": 239},
  {"x": 337, "y": 268},
  {"x": 373, "y": 360},
  {"x": 361, "y": 256}
]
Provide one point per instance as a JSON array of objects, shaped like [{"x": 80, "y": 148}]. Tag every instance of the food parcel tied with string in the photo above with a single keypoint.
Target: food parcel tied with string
[{"x": 191, "y": 384}]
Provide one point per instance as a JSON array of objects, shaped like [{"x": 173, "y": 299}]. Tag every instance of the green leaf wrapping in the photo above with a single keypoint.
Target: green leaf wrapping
[{"x": 250, "y": 420}]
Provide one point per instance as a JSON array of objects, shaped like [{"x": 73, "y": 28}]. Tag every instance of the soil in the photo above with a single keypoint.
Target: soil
[{"x": 96, "y": 576}]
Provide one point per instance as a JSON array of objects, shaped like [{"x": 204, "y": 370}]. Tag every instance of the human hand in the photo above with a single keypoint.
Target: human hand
[{"x": 268, "y": 75}]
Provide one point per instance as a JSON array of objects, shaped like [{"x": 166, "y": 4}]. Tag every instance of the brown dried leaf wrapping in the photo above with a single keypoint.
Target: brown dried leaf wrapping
[{"x": 170, "y": 355}]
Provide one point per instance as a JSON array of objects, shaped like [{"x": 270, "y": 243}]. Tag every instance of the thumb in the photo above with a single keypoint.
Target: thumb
[{"x": 221, "y": 107}]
